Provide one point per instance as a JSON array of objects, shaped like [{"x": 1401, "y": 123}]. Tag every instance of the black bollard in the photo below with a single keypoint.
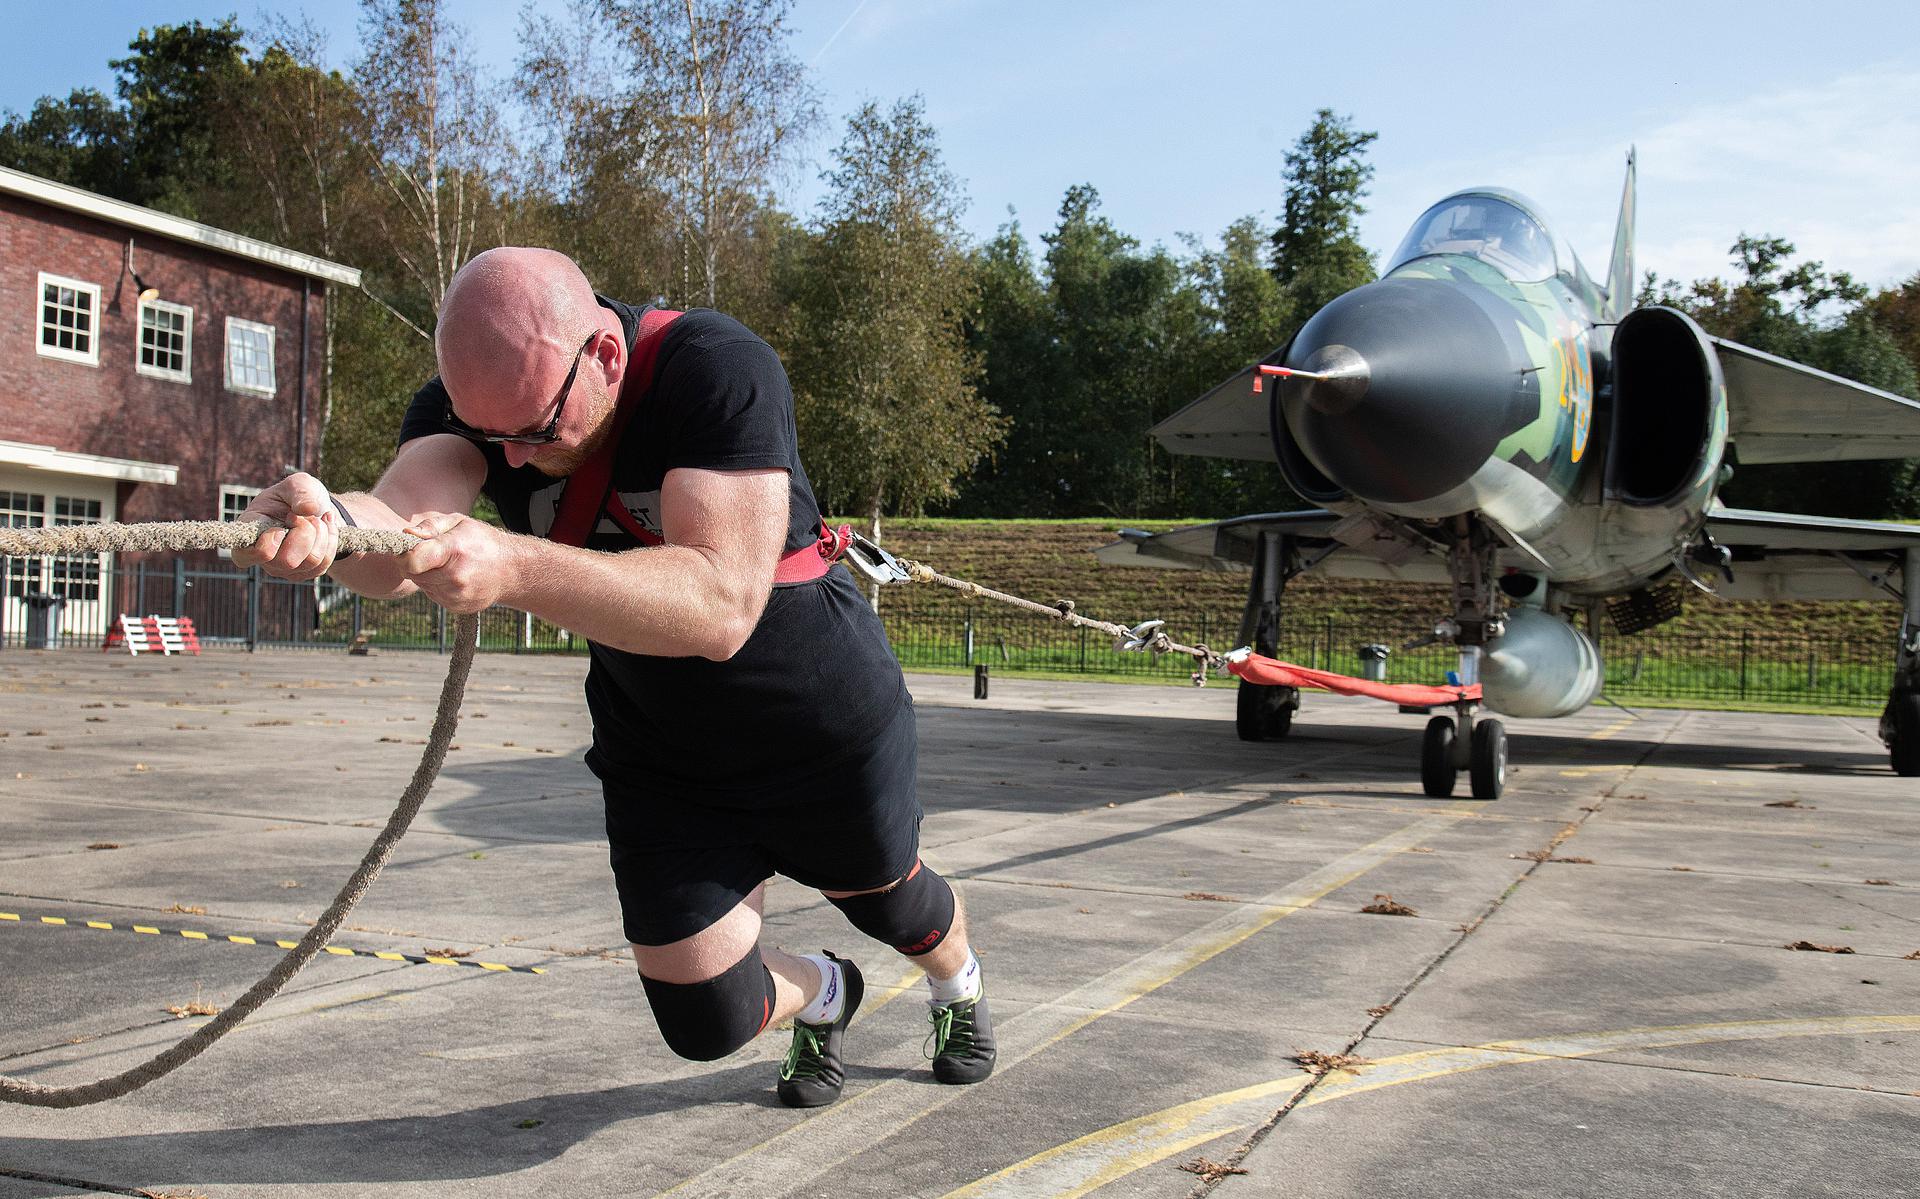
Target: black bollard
[{"x": 980, "y": 681}]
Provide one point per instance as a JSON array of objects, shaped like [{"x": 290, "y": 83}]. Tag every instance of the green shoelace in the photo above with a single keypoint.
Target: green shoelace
[
  {"x": 804, "y": 1056},
  {"x": 952, "y": 1030}
]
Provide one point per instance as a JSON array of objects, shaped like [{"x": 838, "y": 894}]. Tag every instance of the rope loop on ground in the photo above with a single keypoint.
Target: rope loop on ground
[{"x": 195, "y": 535}]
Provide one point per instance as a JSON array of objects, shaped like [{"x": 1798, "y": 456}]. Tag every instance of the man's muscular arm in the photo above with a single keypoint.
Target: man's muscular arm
[
  {"x": 700, "y": 595},
  {"x": 429, "y": 473}
]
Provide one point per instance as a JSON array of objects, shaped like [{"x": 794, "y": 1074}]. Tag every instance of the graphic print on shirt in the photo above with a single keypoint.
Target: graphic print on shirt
[{"x": 643, "y": 505}]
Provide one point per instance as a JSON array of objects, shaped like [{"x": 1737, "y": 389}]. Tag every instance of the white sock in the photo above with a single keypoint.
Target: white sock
[
  {"x": 831, "y": 999},
  {"x": 962, "y": 986}
]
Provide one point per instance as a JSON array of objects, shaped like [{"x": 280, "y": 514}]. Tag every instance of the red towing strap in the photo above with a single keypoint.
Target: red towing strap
[{"x": 1269, "y": 672}]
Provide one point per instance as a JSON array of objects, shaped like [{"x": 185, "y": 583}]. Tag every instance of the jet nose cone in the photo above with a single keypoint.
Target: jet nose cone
[{"x": 1419, "y": 387}]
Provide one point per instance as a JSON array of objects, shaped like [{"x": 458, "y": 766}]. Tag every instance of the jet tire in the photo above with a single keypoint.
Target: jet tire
[
  {"x": 1489, "y": 761},
  {"x": 1437, "y": 771},
  {"x": 1263, "y": 713},
  {"x": 1905, "y": 744}
]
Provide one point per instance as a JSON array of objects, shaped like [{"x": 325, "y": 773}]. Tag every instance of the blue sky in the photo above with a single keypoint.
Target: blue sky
[{"x": 1786, "y": 119}]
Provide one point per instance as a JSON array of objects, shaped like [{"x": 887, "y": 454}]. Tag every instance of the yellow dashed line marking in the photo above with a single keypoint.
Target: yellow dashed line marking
[
  {"x": 1087, "y": 1163},
  {"x": 238, "y": 939}
]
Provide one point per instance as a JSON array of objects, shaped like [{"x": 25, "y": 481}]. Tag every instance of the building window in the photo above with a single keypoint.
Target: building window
[
  {"x": 234, "y": 498},
  {"x": 69, "y": 320},
  {"x": 76, "y": 576},
  {"x": 166, "y": 341},
  {"x": 249, "y": 356},
  {"x": 22, "y": 510}
]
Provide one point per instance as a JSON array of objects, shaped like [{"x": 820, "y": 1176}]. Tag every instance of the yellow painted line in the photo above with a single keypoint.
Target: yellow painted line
[
  {"x": 238, "y": 939},
  {"x": 806, "y": 1151},
  {"x": 1090, "y": 1162},
  {"x": 1612, "y": 730},
  {"x": 1574, "y": 774}
]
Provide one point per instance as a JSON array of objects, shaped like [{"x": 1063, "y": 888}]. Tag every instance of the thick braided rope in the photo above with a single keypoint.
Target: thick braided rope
[
  {"x": 187, "y": 535},
  {"x": 179, "y": 535}
]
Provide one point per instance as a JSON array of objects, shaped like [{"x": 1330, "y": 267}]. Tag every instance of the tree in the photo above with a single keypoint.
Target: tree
[
  {"x": 157, "y": 146},
  {"x": 170, "y": 84},
  {"x": 1243, "y": 314},
  {"x": 439, "y": 148},
  {"x": 1317, "y": 253},
  {"x": 80, "y": 141},
  {"x": 1111, "y": 303},
  {"x": 1010, "y": 332},
  {"x": 668, "y": 122},
  {"x": 1896, "y": 312},
  {"x": 1803, "y": 312},
  {"x": 883, "y": 377}
]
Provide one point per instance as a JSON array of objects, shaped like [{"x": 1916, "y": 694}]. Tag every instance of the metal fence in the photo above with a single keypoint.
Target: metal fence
[{"x": 246, "y": 609}]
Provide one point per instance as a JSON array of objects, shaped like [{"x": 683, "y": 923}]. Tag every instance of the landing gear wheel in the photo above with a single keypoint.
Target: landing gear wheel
[
  {"x": 1905, "y": 744},
  {"x": 1264, "y": 713},
  {"x": 1437, "y": 771},
  {"x": 1489, "y": 763}
]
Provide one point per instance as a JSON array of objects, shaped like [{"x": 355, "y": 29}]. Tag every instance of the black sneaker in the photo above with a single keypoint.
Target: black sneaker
[
  {"x": 813, "y": 1074},
  {"x": 962, "y": 1046}
]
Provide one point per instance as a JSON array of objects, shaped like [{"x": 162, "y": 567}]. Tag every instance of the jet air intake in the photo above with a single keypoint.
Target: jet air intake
[{"x": 1399, "y": 391}]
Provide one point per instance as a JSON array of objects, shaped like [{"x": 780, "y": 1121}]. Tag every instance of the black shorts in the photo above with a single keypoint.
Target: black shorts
[{"x": 682, "y": 858}]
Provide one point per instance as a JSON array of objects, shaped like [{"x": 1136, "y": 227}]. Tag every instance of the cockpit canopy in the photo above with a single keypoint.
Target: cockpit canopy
[{"x": 1497, "y": 232}]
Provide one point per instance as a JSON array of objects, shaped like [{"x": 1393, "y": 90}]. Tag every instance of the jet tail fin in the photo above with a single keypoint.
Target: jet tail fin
[{"x": 1620, "y": 281}]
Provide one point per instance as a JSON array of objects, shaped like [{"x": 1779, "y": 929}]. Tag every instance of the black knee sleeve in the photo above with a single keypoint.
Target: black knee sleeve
[
  {"x": 912, "y": 917},
  {"x": 707, "y": 1020}
]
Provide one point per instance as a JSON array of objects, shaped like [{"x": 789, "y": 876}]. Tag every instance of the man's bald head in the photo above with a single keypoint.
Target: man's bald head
[{"x": 509, "y": 325}]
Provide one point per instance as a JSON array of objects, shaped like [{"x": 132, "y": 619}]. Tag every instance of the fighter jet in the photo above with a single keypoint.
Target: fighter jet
[{"x": 1484, "y": 415}]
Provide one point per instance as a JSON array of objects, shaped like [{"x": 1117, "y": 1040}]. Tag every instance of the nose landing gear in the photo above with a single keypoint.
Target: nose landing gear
[
  {"x": 1477, "y": 747},
  {"x": 1459, "y": 742}
]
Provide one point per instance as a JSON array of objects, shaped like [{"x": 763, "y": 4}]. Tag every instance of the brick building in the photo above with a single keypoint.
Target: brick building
[{"x": 151, "y": 368}]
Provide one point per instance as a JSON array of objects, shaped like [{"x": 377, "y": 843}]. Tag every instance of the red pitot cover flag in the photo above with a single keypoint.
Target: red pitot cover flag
[{"x": 1271, "y": 673}]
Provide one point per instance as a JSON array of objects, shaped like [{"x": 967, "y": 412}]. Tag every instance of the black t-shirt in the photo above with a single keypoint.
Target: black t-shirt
[{"x": 817, "y": 676}]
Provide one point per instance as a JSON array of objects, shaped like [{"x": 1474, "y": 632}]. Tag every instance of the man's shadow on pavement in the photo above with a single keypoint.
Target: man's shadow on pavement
[{"x": 481, "y": 1142}]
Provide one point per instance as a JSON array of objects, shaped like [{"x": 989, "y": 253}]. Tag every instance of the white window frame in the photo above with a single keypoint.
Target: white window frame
[
  {"x": 184, "y": 375},
  {"x": 237, "y": 491},
  {"x": 92, "y": 355},
  {"x": 240, "y": 323}
]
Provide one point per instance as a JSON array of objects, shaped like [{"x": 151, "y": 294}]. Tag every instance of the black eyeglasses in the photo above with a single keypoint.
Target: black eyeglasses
[{"x": 546, "y": 436}]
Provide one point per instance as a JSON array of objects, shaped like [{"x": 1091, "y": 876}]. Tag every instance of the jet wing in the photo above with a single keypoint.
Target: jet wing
[
  {"x": 1787, "y": 556},
  {"x": 1781, "y": 411},
  {"x": 1342, "y": 547},
  {"x": 1231, "y": 421}
]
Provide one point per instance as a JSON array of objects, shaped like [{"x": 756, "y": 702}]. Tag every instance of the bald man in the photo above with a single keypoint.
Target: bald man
[{"x": 749, "y": 717}]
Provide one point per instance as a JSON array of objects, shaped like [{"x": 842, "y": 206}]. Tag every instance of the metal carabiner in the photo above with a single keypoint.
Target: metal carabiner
[
  {"x": 1141, "y": 637},
  {"x": 873, "y": 564}
]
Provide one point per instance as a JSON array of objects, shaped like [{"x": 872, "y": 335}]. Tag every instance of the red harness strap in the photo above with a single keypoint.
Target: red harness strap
[{"x": 589, "y": 493}]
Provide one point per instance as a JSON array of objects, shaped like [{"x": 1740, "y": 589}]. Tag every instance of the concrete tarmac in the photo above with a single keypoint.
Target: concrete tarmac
[{"x": 1590, "y": 994}]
